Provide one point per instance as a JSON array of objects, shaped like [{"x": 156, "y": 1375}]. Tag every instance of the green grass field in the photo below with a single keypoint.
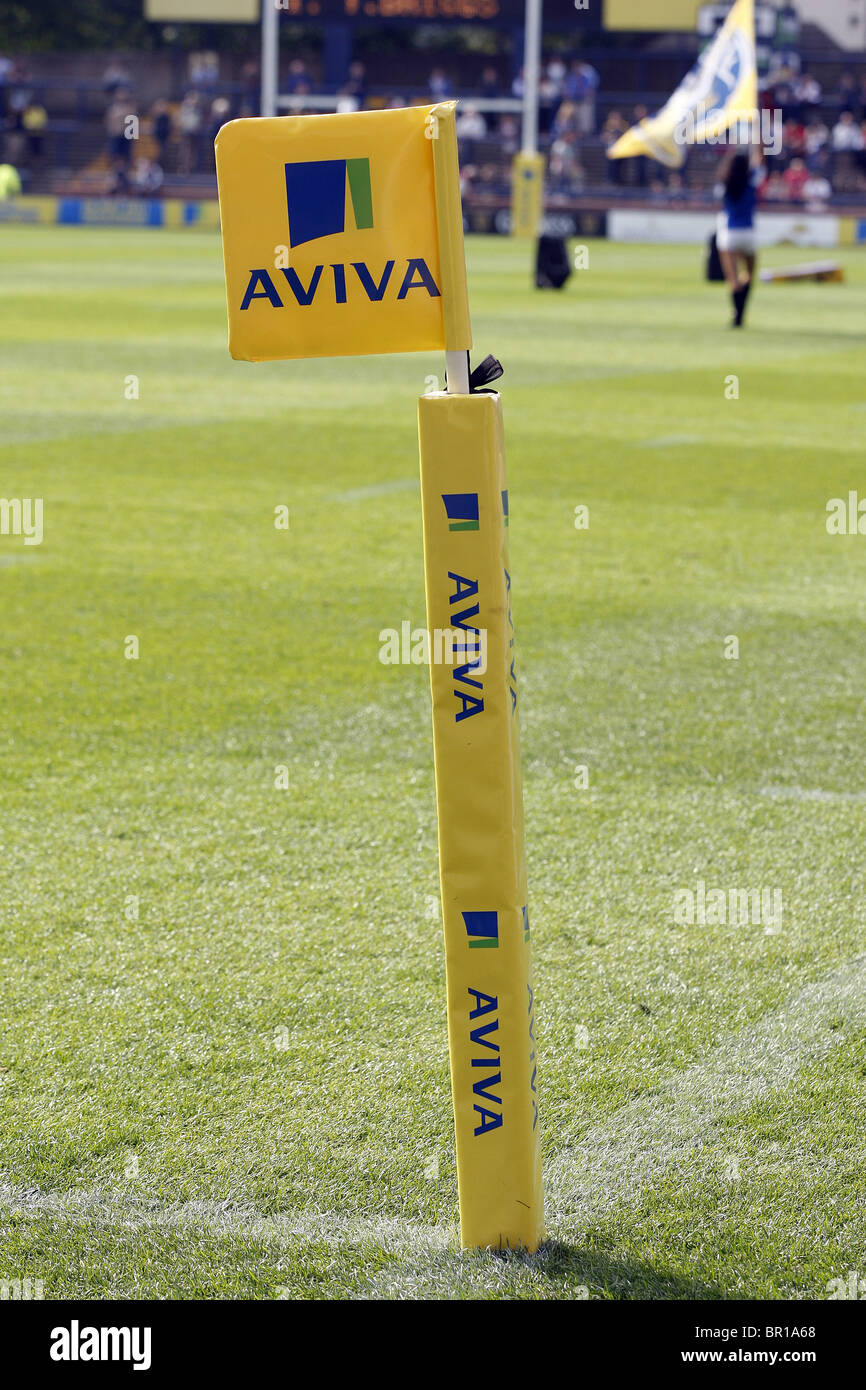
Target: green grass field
[{"x": 224, "y": 1069}]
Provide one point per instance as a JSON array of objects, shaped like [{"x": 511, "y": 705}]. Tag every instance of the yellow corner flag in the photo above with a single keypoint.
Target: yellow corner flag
[
  {"x": 343, "y": 234},
  {"x": 720, "y": 90}
]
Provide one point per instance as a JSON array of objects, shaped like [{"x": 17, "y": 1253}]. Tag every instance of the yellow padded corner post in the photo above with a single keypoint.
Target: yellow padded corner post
[
  {"x": 491, "y": 1008},
  {"x": 527, "y": 195}
]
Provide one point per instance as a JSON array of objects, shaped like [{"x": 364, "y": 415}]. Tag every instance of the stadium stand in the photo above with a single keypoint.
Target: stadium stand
[{"x": 65, "y": 119}]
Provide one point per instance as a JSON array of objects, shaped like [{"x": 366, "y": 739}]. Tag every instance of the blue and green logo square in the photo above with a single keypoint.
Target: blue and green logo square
[
  {"x": 461, "y": 508},
  {"x": 482, "y": 929},
  {"x": 316, "y": 197}
]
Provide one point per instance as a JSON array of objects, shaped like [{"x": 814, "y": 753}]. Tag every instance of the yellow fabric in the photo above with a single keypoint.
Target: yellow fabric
[
  {"x": 848, "y": 228},
  {"x": 527, "y": 194},
  {"x": 203, "y": 11},
  {"x": 10, "y": 181},
  {"x": 357, "y": 305},
  {"x": 683, "y": 119},
  {"x": 34, "y": 118},
  {"x": 637, "y": 15},
  {"x": 449, "y": 217},
  {"x": 491, "y": 1012}
]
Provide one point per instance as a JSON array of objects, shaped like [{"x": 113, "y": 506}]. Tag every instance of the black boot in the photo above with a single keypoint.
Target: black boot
[{"x": 739, "y": 297}]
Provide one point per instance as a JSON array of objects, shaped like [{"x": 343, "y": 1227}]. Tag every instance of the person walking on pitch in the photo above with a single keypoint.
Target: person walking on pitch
[{"x": 735, "y": 230}]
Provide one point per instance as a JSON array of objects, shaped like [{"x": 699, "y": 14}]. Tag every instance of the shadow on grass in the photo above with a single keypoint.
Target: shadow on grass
[{"x": 574, "y": 1268}]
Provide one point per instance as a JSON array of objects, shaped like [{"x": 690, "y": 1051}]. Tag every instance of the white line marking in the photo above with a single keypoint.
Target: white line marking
[
  {"x": 360, "y": 494},
  {"x": 17, "y": 557},
  {"x": 783, "y": 793},
  {"x": 614, "y": 1161},
  {"x": 108, "y": 1207},
  {"x": 670, "y": 441}
]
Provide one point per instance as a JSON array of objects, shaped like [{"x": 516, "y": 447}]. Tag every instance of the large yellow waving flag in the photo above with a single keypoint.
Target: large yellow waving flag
[
  {"x": 720, "y": 90},
  {"x": 343, "y": 234}
]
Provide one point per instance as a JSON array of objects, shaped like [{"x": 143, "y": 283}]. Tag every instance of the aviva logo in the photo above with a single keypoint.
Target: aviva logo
[
  {"x": 316, "y": 197},
  {"x": 461, "y": 509},
  {"x": 482, "y": 928}
]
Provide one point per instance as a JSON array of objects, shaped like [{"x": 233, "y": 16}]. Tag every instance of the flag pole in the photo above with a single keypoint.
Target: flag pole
[
  {"x": 527, "y": 169},
  {"x": 270, "y": 57},
  {"x": 531, "y": 75},
  {"x": 457, "y": 373}
]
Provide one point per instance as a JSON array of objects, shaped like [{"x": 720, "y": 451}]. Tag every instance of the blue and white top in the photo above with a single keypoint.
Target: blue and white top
[{"x": 740, "y": 212}]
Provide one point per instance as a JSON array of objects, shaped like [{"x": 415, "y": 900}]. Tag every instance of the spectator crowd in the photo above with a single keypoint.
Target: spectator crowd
[{"x": 823, "y": 149}]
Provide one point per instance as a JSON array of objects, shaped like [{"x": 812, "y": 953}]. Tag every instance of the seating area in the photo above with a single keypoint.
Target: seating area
[{"x": 64, "y": 130}]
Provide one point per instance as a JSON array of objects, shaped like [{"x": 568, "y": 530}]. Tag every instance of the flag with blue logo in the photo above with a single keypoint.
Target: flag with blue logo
[{"x": 343, "y": 234}]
